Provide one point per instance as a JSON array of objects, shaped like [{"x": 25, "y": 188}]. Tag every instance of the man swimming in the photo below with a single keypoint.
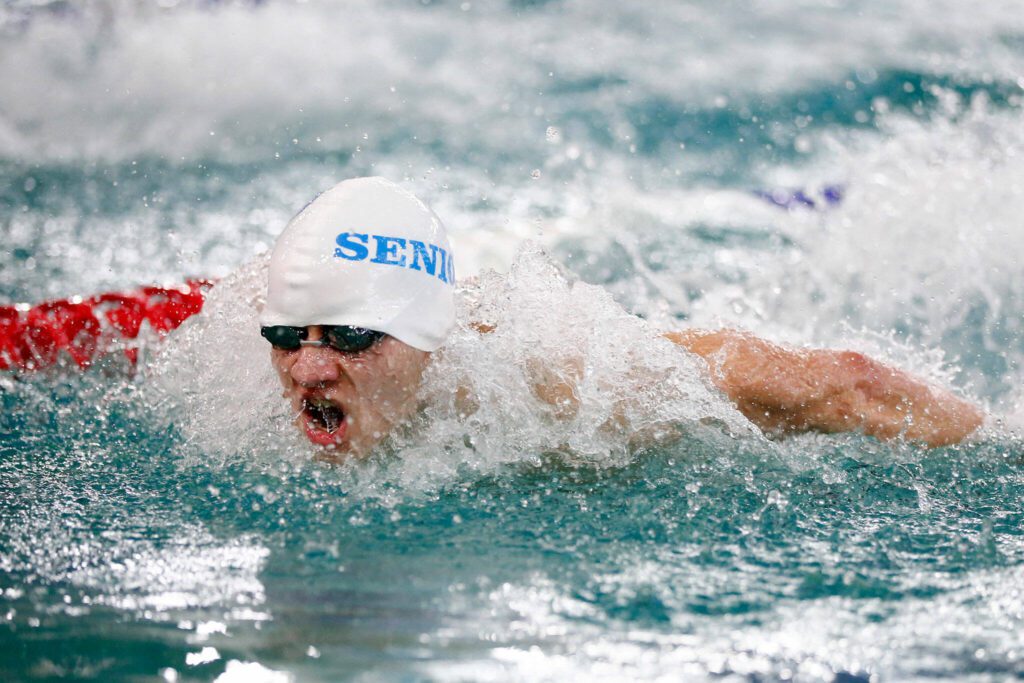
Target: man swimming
[{"x": 360, "y": 296}]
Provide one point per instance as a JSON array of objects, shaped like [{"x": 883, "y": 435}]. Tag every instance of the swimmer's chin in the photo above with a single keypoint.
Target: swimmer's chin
[
  {"x": 335, "y": 448},
  {"x": 336, "y": 452},
  {"x": 350, "y": 451},
  {"x": 333, "y": 456}
]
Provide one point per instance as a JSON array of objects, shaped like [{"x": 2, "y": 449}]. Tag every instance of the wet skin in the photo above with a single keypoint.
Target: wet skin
[
  {"x": 347, "y": 402},
  {"x": 785, "y": 390}
]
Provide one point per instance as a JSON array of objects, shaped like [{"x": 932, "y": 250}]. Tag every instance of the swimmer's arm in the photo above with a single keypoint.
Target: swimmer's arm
[{"x": 793, "y": 390}]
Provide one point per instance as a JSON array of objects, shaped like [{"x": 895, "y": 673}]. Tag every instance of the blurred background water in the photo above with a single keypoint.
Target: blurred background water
[{"x": 146, "y": 142}]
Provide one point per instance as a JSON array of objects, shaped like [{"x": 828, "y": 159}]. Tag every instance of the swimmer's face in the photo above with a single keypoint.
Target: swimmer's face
[{"x": 348, "y": 402}]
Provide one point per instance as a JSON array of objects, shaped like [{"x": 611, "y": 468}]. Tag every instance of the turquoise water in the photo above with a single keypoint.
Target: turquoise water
[{"x": 170, "y": 525}]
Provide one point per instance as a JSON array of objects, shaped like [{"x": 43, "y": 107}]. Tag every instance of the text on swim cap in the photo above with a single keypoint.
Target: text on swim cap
[{"x": 397, "y": 251}]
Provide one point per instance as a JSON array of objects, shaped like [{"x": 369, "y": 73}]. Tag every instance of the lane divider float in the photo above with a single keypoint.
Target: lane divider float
[{"x": 33, "y": 337}]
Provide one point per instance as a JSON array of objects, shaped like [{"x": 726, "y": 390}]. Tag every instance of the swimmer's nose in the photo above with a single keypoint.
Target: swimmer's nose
[{"x": 314, "y": 367}]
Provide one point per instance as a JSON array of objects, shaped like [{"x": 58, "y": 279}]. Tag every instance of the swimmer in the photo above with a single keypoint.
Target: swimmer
[{"x": 361, "y": 294}]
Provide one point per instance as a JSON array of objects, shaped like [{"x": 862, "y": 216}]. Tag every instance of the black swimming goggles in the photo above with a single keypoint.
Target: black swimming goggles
[{"x": 344, "y": 338}]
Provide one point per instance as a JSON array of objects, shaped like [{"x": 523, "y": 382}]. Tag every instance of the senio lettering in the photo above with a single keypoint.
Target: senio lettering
[{"x": 397, "y": 251}]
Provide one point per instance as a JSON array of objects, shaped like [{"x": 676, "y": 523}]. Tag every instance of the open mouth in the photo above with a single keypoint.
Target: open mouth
[
  {"x": 322, "y": 413},
  {"x": 324, "y": 420}
]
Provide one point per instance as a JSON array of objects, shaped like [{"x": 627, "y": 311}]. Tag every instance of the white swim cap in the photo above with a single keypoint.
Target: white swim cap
[{"x": 369, "y": 254}]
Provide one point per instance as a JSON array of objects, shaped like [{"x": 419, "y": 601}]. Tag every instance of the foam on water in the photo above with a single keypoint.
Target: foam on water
[
  {"x": 917, "y": 265},
  {"x": 131, "y": 79},
  {"x": 926, "y": 245},
  {"x": 798, "y": 641}
]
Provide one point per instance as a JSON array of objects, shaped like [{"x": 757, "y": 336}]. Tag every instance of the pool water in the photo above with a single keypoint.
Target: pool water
[{"x": 587, "y": 157}]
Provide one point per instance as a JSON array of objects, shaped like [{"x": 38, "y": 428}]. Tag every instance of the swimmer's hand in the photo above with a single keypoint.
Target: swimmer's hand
[{"x": 793, "y": 390}]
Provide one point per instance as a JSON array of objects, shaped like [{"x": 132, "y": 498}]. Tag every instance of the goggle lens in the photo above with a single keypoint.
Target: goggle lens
[
  {"x": 284, "y": 337},
  {"x": 350, "y": 339},
  {"x": 344, "y": 338}
]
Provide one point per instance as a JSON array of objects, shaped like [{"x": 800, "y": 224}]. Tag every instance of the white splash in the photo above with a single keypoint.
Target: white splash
[
  {"x": 927, "y": 242},
  {"x": 563, "y": 369},
  {"x": 625, "y": 387},
  {"x": 214, "y": 380}
]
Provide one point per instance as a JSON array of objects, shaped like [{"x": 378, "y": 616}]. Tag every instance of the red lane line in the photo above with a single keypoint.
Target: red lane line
[{"x": 32, "y": 338}]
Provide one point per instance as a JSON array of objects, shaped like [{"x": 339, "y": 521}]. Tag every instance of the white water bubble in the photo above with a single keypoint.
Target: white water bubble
[
  {"x": 252, "y": 672},
  {"x": 204, "y": 656}
]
